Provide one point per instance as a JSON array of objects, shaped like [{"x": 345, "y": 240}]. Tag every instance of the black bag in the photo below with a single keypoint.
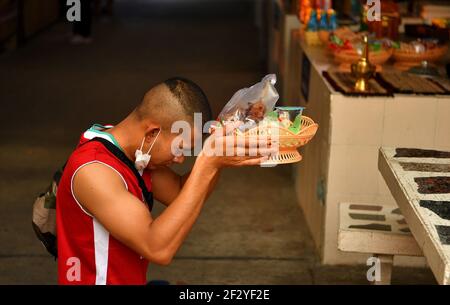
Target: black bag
[{"x": 44, "y": 207}]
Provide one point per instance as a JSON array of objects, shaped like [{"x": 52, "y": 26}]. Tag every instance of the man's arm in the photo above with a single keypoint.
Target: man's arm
[
  {"x": 101, "y": 191},
  {"x": 166, "y": 184}
]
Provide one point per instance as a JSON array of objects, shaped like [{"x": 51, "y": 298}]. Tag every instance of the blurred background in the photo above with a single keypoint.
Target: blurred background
[{"x": 54, "y": 85}]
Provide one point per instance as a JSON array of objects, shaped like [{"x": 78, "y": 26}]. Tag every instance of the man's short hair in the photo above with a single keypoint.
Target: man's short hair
[
  {"x": 190, "y": 96},
  {"x": 174, "y": 99}
]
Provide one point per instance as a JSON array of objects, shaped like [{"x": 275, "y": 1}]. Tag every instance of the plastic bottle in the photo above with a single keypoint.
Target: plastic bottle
[
  {"x": 332, "y": 20},
  {"x": 312, "y": 23}
]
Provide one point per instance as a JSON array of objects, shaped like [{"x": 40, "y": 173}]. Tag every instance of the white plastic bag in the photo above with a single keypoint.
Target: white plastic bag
[{"x": 248, "y": 106}]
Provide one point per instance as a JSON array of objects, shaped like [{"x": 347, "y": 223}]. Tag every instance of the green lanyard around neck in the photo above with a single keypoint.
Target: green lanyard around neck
[{"x": 98, "y": 129}]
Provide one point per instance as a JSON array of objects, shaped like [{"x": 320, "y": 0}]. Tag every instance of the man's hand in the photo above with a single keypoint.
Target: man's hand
[
  {"x": 166, "y": 184},
  {"x": 225, "y": 149}
]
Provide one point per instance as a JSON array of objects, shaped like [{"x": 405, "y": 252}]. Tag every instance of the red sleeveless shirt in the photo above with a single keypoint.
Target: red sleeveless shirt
[{"x": 87, "y": 253}]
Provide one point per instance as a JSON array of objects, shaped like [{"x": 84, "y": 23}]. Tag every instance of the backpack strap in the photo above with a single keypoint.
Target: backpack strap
[{"x": 148, "y": 196}]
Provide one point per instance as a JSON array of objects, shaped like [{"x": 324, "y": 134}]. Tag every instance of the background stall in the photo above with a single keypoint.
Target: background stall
[{"x": 342, "y": 159}]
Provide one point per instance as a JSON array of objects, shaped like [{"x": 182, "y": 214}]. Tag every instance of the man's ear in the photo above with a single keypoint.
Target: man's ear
[{"x": 151, "y": 131}]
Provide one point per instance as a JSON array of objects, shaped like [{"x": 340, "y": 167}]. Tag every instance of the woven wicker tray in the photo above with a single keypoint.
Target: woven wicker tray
[{"x": 288, "y": 141}]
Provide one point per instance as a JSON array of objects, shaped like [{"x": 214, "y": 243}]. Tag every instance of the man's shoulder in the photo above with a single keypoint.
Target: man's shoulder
[{"x": 89, "y": 151}]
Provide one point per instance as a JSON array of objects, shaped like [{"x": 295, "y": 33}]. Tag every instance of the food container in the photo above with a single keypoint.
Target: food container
[
  {"x": 352, "y": 56},
  {"x": 412, "y": 54},
  {"x": 288, "y": 141}
]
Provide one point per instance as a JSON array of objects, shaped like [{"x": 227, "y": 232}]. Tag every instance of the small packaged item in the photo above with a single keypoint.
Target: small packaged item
[
  {"x": 249, "y": 106},
  {"x": 290, "y": 118}
]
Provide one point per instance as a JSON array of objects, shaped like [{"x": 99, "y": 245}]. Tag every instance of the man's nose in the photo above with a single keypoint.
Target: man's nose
[{"x": 178, "y": 159}]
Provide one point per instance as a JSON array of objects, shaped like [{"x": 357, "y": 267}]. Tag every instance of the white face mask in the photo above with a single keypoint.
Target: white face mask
[{"x": 142, "y": 159}]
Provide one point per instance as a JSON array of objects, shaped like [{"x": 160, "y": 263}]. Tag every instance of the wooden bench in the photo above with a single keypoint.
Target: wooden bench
[{"x": 378, "y": 230}]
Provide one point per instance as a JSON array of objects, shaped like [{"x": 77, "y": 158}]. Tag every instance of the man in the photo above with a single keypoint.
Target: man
[{"x": 106, "y": 233}]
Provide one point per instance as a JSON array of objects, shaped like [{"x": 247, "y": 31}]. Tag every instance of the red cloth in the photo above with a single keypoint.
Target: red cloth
[{"x": 82, "y": 240}]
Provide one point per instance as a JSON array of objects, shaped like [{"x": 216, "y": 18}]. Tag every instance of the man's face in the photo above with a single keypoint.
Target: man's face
[{"x": 170, "y": 148}]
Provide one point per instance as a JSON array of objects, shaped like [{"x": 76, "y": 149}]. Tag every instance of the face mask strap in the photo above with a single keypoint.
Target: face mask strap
[
  {"x": 151, "y": 146},
  {"x": 142, "y": 144}
]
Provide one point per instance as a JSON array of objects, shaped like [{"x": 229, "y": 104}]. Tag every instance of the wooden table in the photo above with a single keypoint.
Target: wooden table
[{"x": 419, "y": 180}]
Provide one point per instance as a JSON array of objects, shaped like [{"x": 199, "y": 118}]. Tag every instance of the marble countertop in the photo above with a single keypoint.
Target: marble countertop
[{"x": 419, "y": 180}]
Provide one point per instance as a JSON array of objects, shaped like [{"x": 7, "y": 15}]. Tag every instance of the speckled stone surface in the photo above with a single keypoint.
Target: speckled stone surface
[
  {"x": 424, "y": 198},
  {"x": 365, "y": 207},
  {"x": 425, "y": 167},
  {"x": 371, "y": 217},
  {"x": 441, "y": 208},
  {"x": 420, "y": 153},
  {"x": 433, "y": 185},
  {"x": 372, "y": 226},
  {"x": 444, "y": 234},
  {"x": 367, "y": 216}
]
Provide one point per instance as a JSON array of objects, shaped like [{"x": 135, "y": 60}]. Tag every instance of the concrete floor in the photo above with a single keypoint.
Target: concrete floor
[{"x": 251, "y": 230}]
